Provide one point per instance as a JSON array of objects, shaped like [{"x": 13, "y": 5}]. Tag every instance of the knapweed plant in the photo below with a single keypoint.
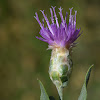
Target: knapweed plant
[{"x": 61, "y": 39}]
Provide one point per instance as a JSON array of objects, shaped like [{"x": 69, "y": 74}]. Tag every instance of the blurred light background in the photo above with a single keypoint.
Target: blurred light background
[{"x": 23, "y": 58}]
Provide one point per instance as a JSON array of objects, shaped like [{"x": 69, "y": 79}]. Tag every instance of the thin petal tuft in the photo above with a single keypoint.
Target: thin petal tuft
[{"x": 63, "y": 35}]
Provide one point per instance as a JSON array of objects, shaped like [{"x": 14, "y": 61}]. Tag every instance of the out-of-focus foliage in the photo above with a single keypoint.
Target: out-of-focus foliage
[{"x": 23, "y": 58}]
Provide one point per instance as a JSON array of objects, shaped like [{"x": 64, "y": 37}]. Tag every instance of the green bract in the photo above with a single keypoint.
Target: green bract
[{"x": 60, "y": 68}]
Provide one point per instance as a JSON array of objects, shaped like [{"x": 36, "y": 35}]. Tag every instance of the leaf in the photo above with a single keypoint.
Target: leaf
[
  {"x": 44, "y": 95},
  {"x": 83, "y": 94}
]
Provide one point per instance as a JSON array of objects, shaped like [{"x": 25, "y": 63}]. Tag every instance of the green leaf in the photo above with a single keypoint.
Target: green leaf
[
  {"x": 44, "y": 95},
  {"x": 83, "y": 94}
]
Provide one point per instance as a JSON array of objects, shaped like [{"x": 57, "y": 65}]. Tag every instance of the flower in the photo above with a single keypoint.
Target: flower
[
  {"x": 63, "y": 35},
  {"x": 60, "y": 39}
]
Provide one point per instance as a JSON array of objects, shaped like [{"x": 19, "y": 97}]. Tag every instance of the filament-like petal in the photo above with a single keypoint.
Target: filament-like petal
[
  {"x": 62, "y": 36},
  {"x": 55, "y": 16}
]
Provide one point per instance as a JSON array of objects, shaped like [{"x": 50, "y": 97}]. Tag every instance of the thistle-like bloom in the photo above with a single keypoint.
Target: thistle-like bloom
[
  {"x": 56, "y": 35},
  {"x": 60, "y": 39}
]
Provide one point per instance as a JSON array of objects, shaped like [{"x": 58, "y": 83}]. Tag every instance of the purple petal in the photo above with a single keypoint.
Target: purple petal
[
  {"x": 60, "y": 9},
  {"x": 37, "y": 18},
  {"x": 51, "y": 16},
  {"x": 47, "y": 21},
  {"x": 44, "y": 34},
  {"x": 55, "y": 16},
  {"x": 41, "y": 39}
]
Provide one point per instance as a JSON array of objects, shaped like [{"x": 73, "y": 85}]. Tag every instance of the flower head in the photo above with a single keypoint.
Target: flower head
[{"x": 63, "y": 35}]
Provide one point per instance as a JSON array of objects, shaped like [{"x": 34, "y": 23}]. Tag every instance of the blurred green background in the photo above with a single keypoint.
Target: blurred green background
[{"x": 23, "y": 58}]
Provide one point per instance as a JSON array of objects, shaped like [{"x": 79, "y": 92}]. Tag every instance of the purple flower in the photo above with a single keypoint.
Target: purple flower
[{"x": 56, "y": 35}]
